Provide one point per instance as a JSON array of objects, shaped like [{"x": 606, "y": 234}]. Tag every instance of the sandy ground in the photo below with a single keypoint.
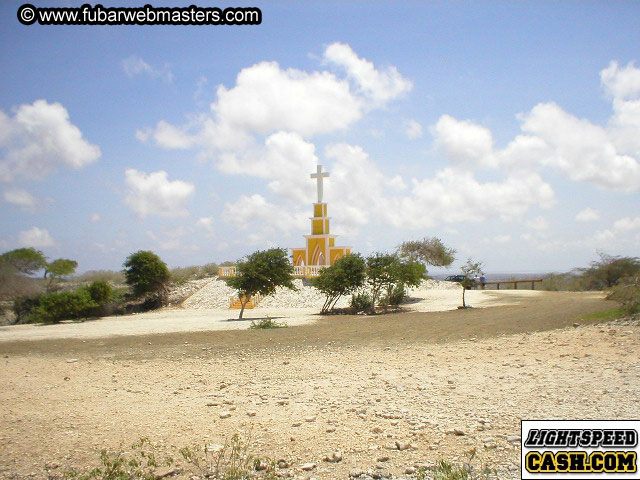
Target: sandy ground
[
  {"x": 439, "y": 383},
  {"x": 185, "y": 320}
]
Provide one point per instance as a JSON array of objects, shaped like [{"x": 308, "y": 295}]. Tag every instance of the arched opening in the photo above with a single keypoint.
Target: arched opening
[{"x": 318, "y": 257}]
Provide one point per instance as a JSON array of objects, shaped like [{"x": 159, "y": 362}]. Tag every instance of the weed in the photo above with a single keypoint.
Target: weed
[
  {"x": 610, "y": 314},
  {"x": 445, "y": 470},
  {"x": 141, "y": 464},
  {"x": 264, "y": 323},
  {"x": 231, "y": 461}
]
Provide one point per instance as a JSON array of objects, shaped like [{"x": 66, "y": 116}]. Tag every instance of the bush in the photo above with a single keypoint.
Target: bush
[
  {"x": 362, "y": 302},
  {"x": 24, "y": 307},
  {"x": 394, "y": 297},
  {"x": 265, "y": 323},
  {"x": 609, "y": 270},
  {"x": 100, "y": 292},
  {"x": 627, "y": 292},
  {"x": 145, "y": 272},
  {"x": 342, "y": 278},
  {"x": 58, "y": 306}
]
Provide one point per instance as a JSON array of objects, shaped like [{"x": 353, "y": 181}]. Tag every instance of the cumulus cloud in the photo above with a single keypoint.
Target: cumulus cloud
[
  {"x": 265, "y": 220},
  {"x": 35, "y": 237},
  {"x": 464, "y": 142},
  {"x": 37, "y": 139},
  {"x": 22, "y": 199},
  {"x": 605, "y": 156},
  {"x": 623, "y": 85},
  {"x": 377, "y": 84},
  {"x": 155, "y": 194},
  {"x": 134, "y": 65},
  {"x": 412, "y": 129},
  {"x": 285, "y": 160},
  {"x": 538, "y": 223},
  {"x": 623, "y": 230},
  {"x": 268, "y": 100},
  {"x": 582, "y": 150},
  {"x": 587, "y": 215},
  {"x": 362, "y": 194}
]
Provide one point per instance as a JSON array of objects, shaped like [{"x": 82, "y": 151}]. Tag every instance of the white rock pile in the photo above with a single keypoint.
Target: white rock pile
[{"x": 215, "y": 293}]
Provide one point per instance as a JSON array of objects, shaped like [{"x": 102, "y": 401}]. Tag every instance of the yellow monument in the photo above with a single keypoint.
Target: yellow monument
[{"x": 321, "y": 250}]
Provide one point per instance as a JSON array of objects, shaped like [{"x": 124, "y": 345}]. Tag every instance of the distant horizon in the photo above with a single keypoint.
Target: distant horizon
[{"x": 509, "y": 130}]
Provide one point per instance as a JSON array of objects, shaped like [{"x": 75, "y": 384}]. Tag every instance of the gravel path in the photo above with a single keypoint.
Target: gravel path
[{"x": 385, "y": 409}]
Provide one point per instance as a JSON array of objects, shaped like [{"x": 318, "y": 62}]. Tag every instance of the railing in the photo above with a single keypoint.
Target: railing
[
  {"x": 305, "y": 271},
  {"x": 515, "y": 283},
  {"x": 226, "y": 272}
]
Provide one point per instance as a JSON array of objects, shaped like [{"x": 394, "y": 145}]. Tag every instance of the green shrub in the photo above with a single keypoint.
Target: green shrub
[
  {"x": 342, "y": 278},
  {"x": 24, "y": 307},
  {"x": 146, "y": 273},
  {"x": 394, "y": 297},
  {"x": 264, "y": 323},
  {"x": 100, "y": 292},
  {"x": 58, "y": 306},
  {"x": 362, "y": 302},
  {"x": 627, "y": 292}
]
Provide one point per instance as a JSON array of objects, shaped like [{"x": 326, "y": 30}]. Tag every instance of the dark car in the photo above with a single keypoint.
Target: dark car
[{"x": 455, "y": 278}]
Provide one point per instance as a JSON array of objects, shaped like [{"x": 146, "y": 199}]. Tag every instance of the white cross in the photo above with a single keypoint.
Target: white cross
[{"x": 319, "y": 175}]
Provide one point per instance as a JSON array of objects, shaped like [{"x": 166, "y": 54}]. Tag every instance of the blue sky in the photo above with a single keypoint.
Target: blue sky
[{"x": 511, "y": 130}]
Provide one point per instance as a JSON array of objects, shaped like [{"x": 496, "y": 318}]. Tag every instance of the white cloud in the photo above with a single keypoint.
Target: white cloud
[
  {"x": 134, "y": 65},
  {"x": 206, "y": 224},
  {"x": 607, "y": 157},
  {"x": 268, "y": 102},
  {"x": 464, "y": 142},
  {"x": 154, "y": 194},
  {"x": 266, "y": 221},
  {"x": 21, "y": 198},
  {"x": 173, "y": 239},
  {"x": 538, "y": 223},
  {"x": 412, "y": 129},
  {"x": 357, "y": 191},
  {"x": 623, "y": 84},
  {"x": 378, "y": 85},
  {"x": 627, "y": 224},
  {"x": 502, "y": 238},
  {"x": 581, "y": 150},
  {"x": 624, "y": 230},
  {"x": 267, "y": 98},
  {"x": 95, "y": 217},
  {"x": 38, "y": 138},
  {"x": 587, "y": 215},
  {"x": 286, "y": 160},
  {"x": 35, "y": 237}
]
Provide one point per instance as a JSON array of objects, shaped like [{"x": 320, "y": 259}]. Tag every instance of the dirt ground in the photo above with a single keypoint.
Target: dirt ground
[{"x": 439, "y": 383}]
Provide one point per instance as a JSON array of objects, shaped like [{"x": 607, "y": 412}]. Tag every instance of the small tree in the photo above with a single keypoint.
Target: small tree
[
  {"x": 469, "y": 269},
  {"x": 100, "y": 292},
  {"x": 382, "y": 270},
  {"x": 59, "y": 268},
  {"x": 25, "y": 260},
  {"x": 344, "y": 277},
  {"x": 262, "y": 272},
  {"x": 146, "y": 273},
  {"x": 609, "y": 270},
  {"x": 627, "y": 292},
  {"x": 430, "y": 251},
  {"x": 389, "y": 273}
]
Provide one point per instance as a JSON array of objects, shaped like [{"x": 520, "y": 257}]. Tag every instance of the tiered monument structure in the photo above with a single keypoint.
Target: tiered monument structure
[{"x": 321, "y": 250}]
